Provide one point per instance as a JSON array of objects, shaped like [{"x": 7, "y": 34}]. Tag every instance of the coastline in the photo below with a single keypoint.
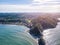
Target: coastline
[
  {"x": 41, "y": 39},
  {"x": 35, "y": 38}
]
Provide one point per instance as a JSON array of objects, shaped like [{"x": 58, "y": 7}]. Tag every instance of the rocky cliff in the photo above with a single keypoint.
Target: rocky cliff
[{"x": 39, "y": 24}]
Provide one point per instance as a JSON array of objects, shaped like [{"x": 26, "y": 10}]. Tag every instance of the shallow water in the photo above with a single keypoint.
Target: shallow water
[
  {"x": 15, "y": 35},
  {"x": 52, "y": 36}
]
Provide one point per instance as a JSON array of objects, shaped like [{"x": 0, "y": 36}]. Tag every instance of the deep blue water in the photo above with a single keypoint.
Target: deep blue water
[{"x": 15, "y": 35}]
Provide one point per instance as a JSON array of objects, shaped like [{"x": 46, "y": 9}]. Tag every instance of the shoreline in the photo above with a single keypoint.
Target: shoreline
[
  {"x": 41, "y": 37},
  {"x": 35, "y": 38}
]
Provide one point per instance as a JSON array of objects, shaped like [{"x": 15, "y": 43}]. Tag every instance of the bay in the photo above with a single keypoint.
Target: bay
[{"x": 15, "y": 35}]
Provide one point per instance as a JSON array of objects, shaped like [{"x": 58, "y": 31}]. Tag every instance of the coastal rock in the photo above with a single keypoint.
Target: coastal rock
[
  {"x": 35, "y": 32},
  {"x": 41, "y": 41},
  {"x": 41, "y": 23}
]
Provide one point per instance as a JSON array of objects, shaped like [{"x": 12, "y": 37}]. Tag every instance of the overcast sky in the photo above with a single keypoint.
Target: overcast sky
[{"x": 29, "y": 5}]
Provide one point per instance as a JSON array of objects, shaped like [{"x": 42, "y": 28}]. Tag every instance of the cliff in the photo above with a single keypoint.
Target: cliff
[
  {"x": 39, "y": 24},
  {"x": 42, "y": 22}
]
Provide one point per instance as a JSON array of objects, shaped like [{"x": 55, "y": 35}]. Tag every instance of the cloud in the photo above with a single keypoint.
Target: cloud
[
  {"x": 35, "y": 6},
  {"x": 29, "y": 8},
  {"x": 44, "y": 2},
  {"x": 40, "y": 1}
]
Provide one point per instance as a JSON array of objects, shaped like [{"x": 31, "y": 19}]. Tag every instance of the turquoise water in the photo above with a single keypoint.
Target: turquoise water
[
  {"x": 52, "y": 36},
  {"x": 15, "y": 35}
]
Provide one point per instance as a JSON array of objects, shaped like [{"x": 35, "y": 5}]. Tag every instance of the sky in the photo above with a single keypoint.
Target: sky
[{"x": 30, "y": 6}]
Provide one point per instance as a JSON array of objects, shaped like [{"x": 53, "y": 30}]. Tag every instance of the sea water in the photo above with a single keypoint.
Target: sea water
[
  {"x": 52, "y": 36},
  {"x": 15, "y": 35}
]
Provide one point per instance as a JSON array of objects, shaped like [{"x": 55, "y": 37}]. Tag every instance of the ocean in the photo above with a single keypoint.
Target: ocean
[
  {"x": 15, "y": 35},
  {"x": 52, "y": 36}
]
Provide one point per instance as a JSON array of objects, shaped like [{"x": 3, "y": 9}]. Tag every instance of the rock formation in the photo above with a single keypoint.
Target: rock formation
[{"x": 41, "y": 23}]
